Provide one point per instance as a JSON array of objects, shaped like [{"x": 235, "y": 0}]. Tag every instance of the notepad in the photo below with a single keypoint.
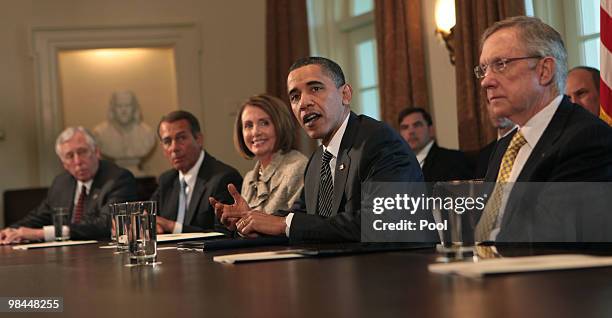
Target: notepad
[
  {"x": 186, "y": 236},
  {"x": 258, "y": 256},
  {"x": 51, "y": 244},
  {"x": 521, "y": 264}
]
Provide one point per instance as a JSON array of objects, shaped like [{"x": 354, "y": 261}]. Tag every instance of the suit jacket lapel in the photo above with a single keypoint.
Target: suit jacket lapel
[
  {"x": 550, "y": 135},
  {"x": 496, "y": 158},
  {"x": 200, "y": 186},
  {"x": 343, "y": 162},
  {"x": 431, "y": 157}
]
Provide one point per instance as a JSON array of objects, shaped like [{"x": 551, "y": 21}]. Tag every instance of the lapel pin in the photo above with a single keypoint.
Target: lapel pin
[
  {"x": 341, "y": 166},
  {"x": 95, "y": 196}
]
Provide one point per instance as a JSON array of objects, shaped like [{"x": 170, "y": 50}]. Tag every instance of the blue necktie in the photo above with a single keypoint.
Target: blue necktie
[{"x": 182, "y": 202}]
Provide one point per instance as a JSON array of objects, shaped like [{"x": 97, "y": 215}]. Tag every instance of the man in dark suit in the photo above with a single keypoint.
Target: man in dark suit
[
  {"x": 86, "y": 189},
  {"x": 437, "y": 163},
  {"x": 523, "y": 67},
  {"x": 355, "y": 149},
  {"x": 183, "y": 192}
]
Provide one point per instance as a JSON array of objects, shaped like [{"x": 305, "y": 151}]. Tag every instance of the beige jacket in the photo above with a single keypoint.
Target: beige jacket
[{"x": 279, "y": 185}]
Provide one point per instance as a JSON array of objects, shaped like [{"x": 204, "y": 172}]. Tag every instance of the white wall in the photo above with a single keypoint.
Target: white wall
[
  {"x": 232, "y": 66},
  {"x": 442, "y": 94}
]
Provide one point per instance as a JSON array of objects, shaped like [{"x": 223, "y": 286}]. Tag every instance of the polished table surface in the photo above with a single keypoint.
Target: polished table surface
[{"x": 95, "y": 283}]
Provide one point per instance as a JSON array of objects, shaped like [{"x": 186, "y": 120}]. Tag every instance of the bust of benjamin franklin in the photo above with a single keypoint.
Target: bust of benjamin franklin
[{"x": 123, "y": 137}]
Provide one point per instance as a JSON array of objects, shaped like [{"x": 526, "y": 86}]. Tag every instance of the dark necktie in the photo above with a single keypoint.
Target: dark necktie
[
  {"x": 326, "y": 188},
  {"x": 80, "y": 206}
]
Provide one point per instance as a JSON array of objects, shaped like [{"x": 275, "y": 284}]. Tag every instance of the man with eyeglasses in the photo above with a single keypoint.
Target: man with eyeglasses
[
  {"x": 86, "y": 188},
  {"x": 523, "y": 70}
]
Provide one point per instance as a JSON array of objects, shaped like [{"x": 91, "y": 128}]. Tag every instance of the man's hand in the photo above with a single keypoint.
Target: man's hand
[
  {"x": 230, "y": 214},
  {"x": 165, "y": 225},
  {"x": 11, "y": 235},
  {"x": 255, "y": 222}
]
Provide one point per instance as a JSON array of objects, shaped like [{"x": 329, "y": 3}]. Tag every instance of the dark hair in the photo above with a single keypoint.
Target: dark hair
[
  {"x": 177, "y": 115},
  {"x": 411, "y": 110},
  {"x": 594, "y": 74},
  {"x": 329, "y": 67},
  {"x": 281, "y": 117}
]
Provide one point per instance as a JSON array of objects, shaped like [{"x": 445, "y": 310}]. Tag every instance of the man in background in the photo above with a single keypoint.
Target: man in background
[
  {"x": 583, "y": 88},
  {"x": 437, "y": 163}
]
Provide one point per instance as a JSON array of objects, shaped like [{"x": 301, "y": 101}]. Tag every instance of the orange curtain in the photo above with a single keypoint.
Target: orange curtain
[
  {"x": 286, "y": 41},
  {"x": 473, "y": 17},
  {"x": 401, "y": 57}
]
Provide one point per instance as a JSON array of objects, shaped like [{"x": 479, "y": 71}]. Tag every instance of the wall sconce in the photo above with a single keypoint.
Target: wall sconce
[{"x": 445, "y": 24}]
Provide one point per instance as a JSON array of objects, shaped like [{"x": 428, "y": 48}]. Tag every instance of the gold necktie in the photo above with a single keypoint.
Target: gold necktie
[{"x": 489, "y": 216}]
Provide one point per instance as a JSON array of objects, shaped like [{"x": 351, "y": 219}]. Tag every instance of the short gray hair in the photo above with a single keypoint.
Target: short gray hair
[
  {"x": 538, "y": 38},
  {"x": 69, "y": 132}
]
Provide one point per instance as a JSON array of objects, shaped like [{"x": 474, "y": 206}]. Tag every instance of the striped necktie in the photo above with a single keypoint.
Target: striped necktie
[
  {"x": 80, "y": 206},
  {"x": 326, "y": 188},
  {"x": 491, "y": 212}
]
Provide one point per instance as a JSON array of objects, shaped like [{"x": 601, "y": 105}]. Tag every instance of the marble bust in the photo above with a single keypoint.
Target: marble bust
[{"x": 123, "y": 137}]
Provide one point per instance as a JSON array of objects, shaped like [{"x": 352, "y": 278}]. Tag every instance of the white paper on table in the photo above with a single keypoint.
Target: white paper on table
[
  {"x": 521, "y": 264},
  {"x": 186, "y": 236},
  {"x": 258, "y": 256},
  {"x": 51, "y": 244}
]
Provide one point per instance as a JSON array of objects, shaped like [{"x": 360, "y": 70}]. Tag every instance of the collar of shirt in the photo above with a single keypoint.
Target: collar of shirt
[
  {"x": 191, "y": 175},
  {"x": 424, "y": 152},
  {"x": 80, "y": 184},
  {"x": 87, "y": 185},
  {"x": 334, "y": 145},
  {"x": 534, "y": 127}
]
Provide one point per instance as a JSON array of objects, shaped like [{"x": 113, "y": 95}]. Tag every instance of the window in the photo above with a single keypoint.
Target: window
[
  {"x": 578, "y": 23},
  {"x": 343, "y": 30}
]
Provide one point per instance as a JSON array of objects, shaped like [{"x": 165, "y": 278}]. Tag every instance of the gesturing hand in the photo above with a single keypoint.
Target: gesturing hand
[{"x": 229, "y": 214}]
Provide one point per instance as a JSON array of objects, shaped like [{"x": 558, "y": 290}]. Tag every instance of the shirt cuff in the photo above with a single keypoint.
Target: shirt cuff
[
  {"x": 178, "y": 228},
  {"x": 288, "y": 220},
  {"x": 49, "y": 232}
]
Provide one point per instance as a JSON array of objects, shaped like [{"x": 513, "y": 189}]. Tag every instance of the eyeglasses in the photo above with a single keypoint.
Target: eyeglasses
[{"x": 498, "y": 66}]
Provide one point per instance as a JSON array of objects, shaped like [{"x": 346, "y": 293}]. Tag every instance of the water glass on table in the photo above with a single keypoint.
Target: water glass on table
[
  {"x": 61, "y": 221},
  {"x": 142, "y": 234}
]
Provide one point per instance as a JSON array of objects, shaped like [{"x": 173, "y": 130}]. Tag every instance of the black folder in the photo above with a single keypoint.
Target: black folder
[{"x": 223, "y": 244}]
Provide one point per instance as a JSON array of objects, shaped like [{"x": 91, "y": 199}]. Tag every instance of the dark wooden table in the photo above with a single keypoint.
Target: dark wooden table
[{"x": 95, "y": 283}]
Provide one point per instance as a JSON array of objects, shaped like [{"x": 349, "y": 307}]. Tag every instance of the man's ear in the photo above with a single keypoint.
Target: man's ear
[
  {"x": 347, "y": 94},
  {"x": 97, "y": 152},
  {"x": 199, "y": 137},
  {"x": 546, "y": 70}
]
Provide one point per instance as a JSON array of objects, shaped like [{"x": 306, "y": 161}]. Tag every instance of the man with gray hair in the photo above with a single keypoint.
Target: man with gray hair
[
  {"x": 523, "y": 70},
  {"x": 86, "y": 188}
]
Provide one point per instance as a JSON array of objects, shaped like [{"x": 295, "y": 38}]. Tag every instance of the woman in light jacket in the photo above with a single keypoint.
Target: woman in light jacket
[{"x": 265, "y": 130}]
